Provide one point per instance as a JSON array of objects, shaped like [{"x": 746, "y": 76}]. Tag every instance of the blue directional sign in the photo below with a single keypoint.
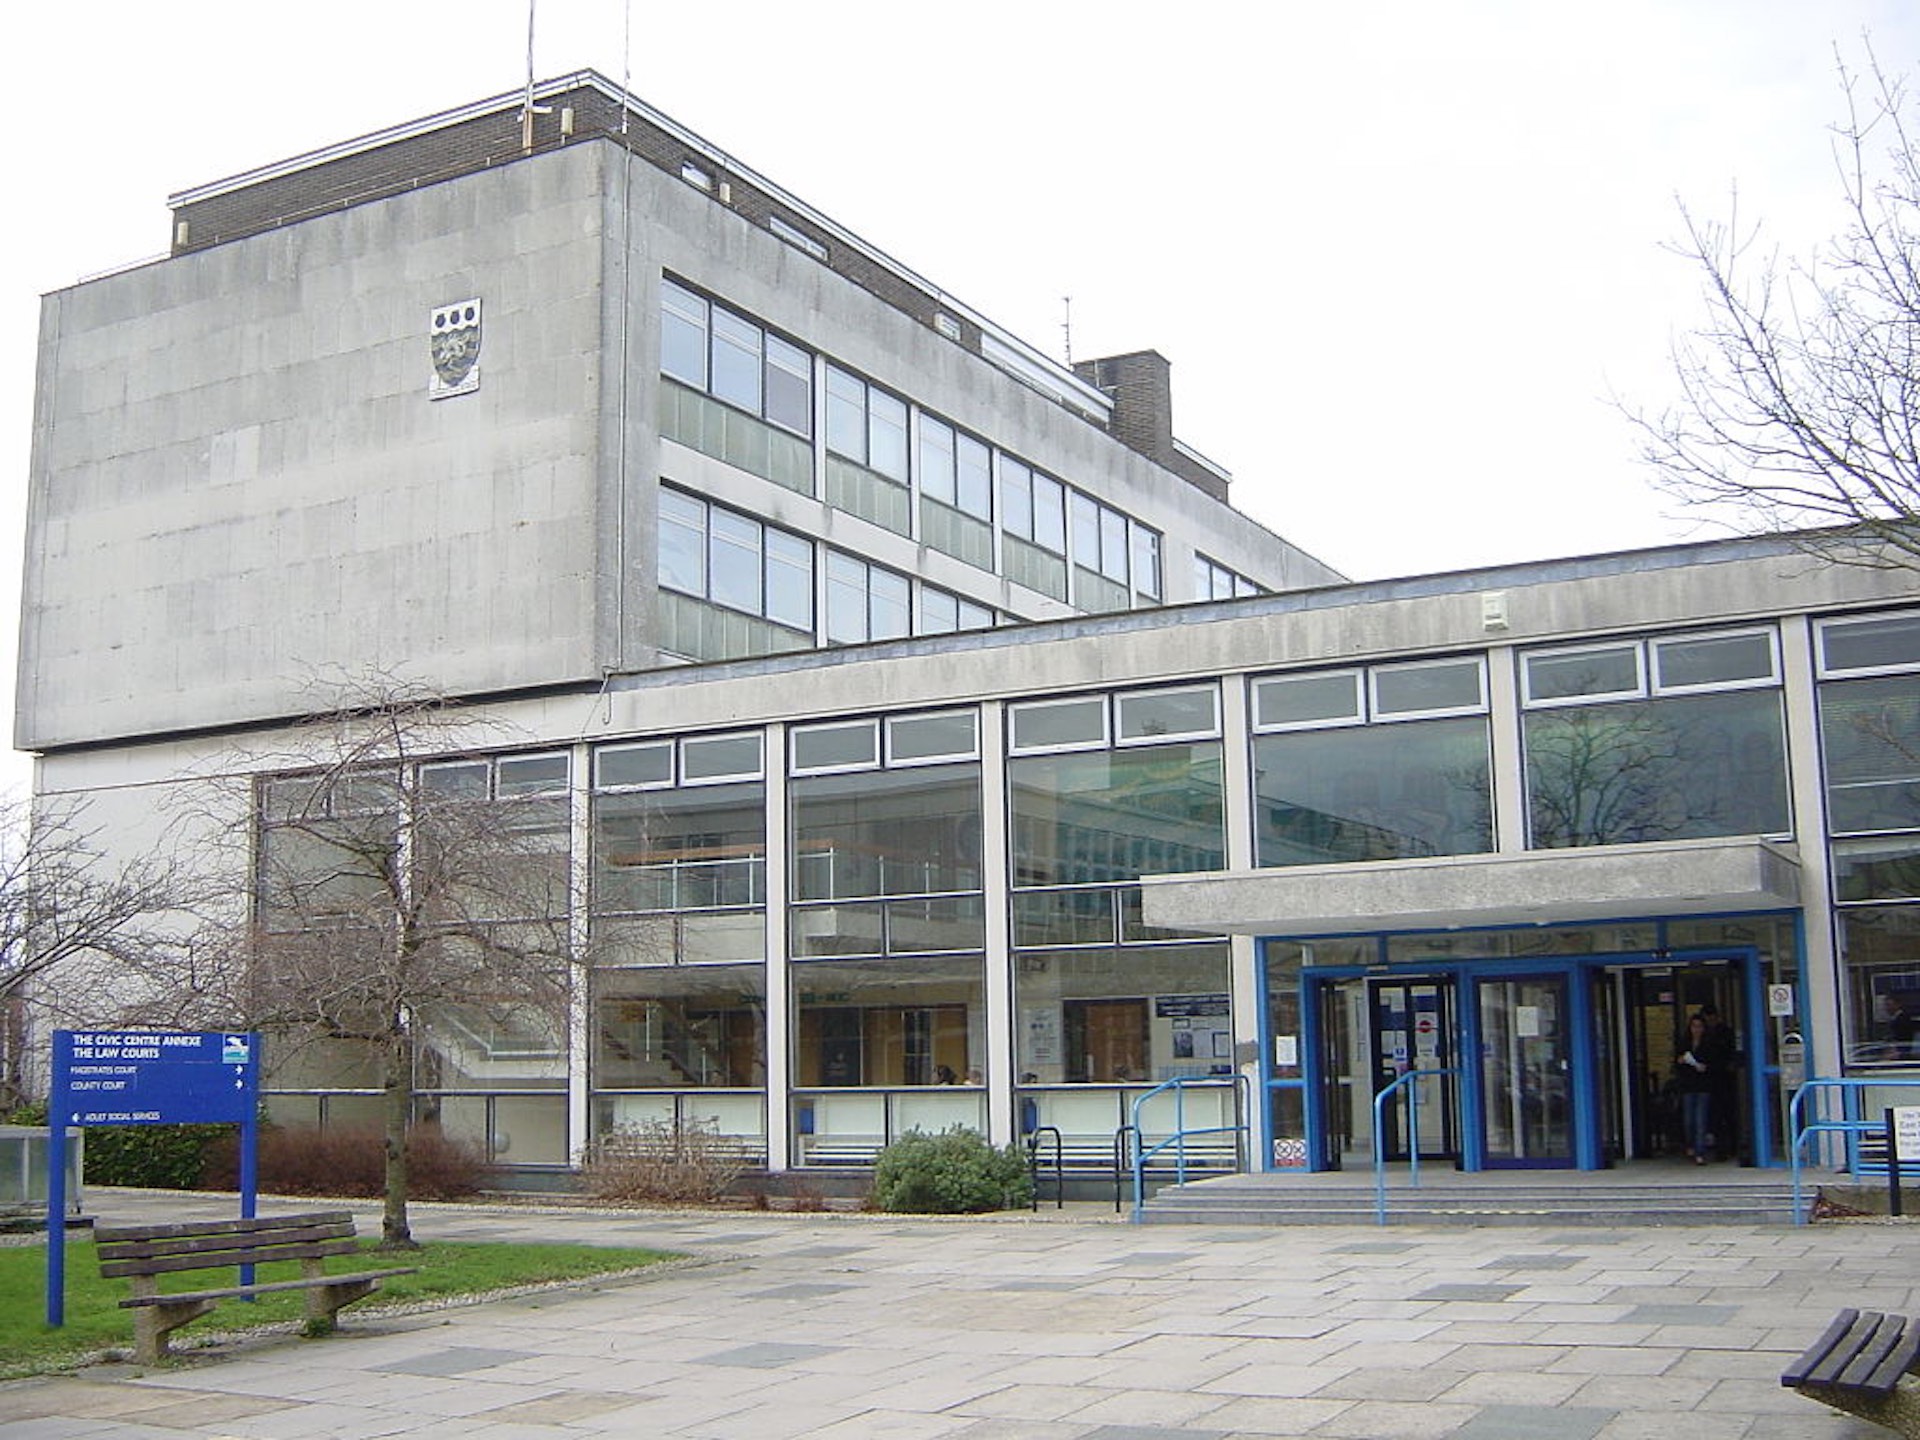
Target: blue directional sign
[{"x": 148, "y": 1077}]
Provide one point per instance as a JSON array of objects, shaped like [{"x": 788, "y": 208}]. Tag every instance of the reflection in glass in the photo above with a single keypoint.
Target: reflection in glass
[
  {"x": 1870, "y": 734},
  {"x": 1671, "y": 769},
  {"x": 679, "y": 849},
  {"x": 902, "y": 832},
  {"x": 1376, "y": 793},
  {"x": 1881, "y": 946},
  {"x": 1100, "y": 817},
  {"x": 1525, "y": 1074}
]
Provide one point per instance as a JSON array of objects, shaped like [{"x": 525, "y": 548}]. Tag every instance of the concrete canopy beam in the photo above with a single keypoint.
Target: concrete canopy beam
[{"x": 1684, "y": 877}]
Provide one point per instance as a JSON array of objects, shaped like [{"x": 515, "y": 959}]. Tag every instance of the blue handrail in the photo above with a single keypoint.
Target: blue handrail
[
  {"x": 1413, "y": 1137},
  {"x": 1142, "y": 1152},
  {"x": 1850, "y": 1124}
]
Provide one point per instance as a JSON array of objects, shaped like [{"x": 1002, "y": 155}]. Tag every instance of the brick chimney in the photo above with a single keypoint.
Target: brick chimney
[{"x": 1140, "y": 384}]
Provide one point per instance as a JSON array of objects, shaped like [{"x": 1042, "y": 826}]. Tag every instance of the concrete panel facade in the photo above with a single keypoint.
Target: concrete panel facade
[{"x": 240, "y": 482}]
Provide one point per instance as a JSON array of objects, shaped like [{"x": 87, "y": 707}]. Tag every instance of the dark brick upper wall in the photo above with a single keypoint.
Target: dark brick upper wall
[
  {"x": 1137, "y": 383},
  {"x": 484, "y": 141}
]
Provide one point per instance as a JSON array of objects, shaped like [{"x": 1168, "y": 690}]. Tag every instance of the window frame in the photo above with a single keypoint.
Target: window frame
[
  {"x": 894, "y": 762},
  {"x": 601, "y": 787},
  {"x": 689, "y": 781},
  {"x": 1770, "y": 681},
  {"x": 795, "y": 733},
  {"x": 1124, "y": 741},
  {"x": 762, "y": 357},
  {"x": 1020, "y": 707},
  {"x": 1378, "y": 716},
  {"x": 1356, "y": 674},
  {"x": 1636, "y": 648},
  {"x": 1825, "y": 671},
  {"x": 762, "y": 553}
]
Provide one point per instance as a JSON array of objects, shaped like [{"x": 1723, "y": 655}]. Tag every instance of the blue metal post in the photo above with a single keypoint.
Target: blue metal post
[{"x": 57, "y": 1205}]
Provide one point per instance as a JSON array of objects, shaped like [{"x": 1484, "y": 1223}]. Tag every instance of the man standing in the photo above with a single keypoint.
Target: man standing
[{"x": 1716, "y": 1052}]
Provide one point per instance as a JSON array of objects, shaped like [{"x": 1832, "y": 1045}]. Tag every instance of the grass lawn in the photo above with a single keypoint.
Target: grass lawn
[{"x": 96, "y": 1322}]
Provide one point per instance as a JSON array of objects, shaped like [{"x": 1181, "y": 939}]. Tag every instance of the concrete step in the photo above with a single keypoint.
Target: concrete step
[{"x": 1282, "y": 1200}]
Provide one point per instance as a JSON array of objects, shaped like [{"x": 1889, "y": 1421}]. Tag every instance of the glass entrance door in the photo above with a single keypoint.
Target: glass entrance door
[
  {"x": 1412, "y": 1030},
  {"x": 1526, "y": 1071}
]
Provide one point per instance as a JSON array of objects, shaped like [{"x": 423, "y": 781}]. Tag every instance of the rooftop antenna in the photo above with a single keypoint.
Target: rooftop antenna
[
  {"x": 1066, "y": 327},
  {"x": 527, "y": 108}
]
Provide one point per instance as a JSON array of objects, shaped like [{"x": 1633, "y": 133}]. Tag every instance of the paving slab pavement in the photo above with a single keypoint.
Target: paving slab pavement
[{"x": 1052, "y": 1328}]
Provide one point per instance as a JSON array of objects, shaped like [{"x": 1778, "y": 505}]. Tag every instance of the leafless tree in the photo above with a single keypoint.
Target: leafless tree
[
  {"x": 1800, "y": 392},
  {"x": 61, "y": 903},
  {"x": 396, "y": 897}
]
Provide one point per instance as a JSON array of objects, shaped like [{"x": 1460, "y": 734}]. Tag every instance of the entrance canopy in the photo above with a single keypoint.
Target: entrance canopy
[{"x": 1459, "y": 892}]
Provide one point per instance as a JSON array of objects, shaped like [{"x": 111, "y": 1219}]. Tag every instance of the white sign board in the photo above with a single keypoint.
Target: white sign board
[
  {"x": 1780, "y": 1001},
  {"x": 1906, "y": 1132}
]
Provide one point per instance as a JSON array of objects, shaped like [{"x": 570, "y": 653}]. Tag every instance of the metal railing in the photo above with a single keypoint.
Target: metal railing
[
  {"x": 1177, "y": 1140},
  {"x": 1059, "y": 1167},
  {"x": 1850, "y": 1124},
  {"x": 1413, "y": 1136}
]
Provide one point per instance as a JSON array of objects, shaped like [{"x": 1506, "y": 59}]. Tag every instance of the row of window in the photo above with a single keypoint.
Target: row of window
[
  {"x": 1214, "y": 581},
  {"x": 725, "y": 558},
  {"x": 733, "y": 359},
  {"x": 1682, "y": 737}
]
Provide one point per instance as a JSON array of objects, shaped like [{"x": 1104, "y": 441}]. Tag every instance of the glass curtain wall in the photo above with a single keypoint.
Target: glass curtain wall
[
  {"x": 678, "y": 935},
  {"x": 887, "y": 929},
  {"x": 1372, "y": 765},
  {"x": 486, "y": 842},
  {"x": 1667, "y": 739},
  {"x": 1870, "y": 736},
  {"x": 1102, "y": 790}
]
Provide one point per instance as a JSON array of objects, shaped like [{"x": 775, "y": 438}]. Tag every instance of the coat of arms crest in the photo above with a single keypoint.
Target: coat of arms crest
[{"x": 453, "y": 341}]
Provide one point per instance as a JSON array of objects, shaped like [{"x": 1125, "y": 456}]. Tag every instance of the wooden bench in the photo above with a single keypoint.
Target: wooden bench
[
  {"x": 143, "y": 1253},
  {"x": 1860, "y": 1365}
]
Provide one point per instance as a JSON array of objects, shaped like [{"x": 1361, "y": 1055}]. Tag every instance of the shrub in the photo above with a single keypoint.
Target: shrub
[
  {"x": 156, "y": 1157},
  {"x": 953, "y": 1173},
  {"x": 350, "y": 1160},
  {"x": 657, "y": 1163}
]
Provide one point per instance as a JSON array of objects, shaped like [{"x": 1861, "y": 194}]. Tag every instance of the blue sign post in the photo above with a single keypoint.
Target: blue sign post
[{"x": 145, "y": 1077}]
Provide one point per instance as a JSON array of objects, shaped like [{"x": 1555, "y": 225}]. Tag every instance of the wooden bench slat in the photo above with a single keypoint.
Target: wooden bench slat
[
  {"x": 1875, "y": 1346},
  {"x": 1859, "y": 1335},
  {"x": 1898, "y": 1346},
  {"x": 221, "y": 1227},
  {"x": 235, "y": 1291},
  {"x": 1798, "y": 1372},
  {"x": 224, "y": 1259},
  {"x": 1865, "y": 1353},
  {"x": 218, "y": 1244}
]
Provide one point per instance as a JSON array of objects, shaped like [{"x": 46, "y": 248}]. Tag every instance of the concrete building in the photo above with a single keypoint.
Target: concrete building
[{"x": 923, "y": 736}]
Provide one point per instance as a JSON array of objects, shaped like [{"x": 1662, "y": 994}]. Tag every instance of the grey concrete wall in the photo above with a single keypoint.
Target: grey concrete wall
[{"x": 239, "y": 481}]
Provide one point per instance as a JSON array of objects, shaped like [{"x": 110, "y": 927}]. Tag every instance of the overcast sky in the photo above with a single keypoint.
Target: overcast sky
[{"x": 1398, "y": 253}]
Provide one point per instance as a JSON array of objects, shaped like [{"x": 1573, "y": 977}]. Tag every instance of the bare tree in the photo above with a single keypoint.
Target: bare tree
[
  {"x": 400, "y": 890},
  {"x": 1800, "y": 393},
  {"x": 62, "y": 902}
]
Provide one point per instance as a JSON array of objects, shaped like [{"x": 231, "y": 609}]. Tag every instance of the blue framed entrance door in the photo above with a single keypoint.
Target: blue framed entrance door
[
  {"x": 1526, "y": 1080},
  {"x": 1414, "y": 1030}
]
